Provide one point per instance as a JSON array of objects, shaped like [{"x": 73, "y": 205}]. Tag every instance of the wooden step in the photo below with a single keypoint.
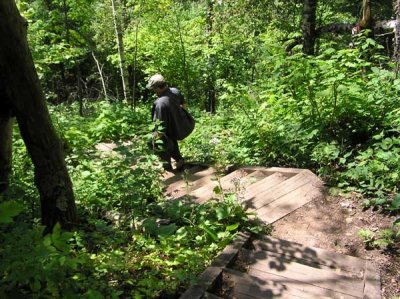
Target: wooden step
[
  {"x": 261, "y": 186},
  {"x": 171, "y": 177},
  {"x": 258, "y": 284},
  {"x": 288, "y": 172},
  {"x": 271, "y": 194},
  {"x": 241, "y": 177},
  {"x": 192, "y": 182},
  {"x": 321, "y": 278},
  {"x": 320, "y": 258},
  {"x": 274, "y": 203}
]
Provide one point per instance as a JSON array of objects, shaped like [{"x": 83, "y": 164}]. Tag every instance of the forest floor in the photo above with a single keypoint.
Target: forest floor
[{"x": 333, "y": 224}]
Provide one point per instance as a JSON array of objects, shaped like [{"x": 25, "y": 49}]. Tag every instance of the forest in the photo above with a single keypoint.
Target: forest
[{"x": 300, "y": 83}]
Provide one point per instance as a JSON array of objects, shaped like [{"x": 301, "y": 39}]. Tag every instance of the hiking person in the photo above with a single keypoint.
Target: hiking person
[{"x": 167, "y": 109}]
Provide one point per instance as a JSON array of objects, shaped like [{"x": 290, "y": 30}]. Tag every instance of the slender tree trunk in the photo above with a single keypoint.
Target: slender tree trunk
[
  {"x": 19, "y": 80},
  {"x": 184, "y": 62},
  {"x": 135, "y": 65},
  {"x": 308, "y": 26},
  {"x": 396, "y": 50},
  {"x": 211, "y": 98},
  {"x": 5, "y": 151},
  {"x": 120, "y": 45},
  {"x": 100, "y": 70}
]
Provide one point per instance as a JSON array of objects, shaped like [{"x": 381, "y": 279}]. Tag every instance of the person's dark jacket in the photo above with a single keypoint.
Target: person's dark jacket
[{"x": 167, "y": 109}]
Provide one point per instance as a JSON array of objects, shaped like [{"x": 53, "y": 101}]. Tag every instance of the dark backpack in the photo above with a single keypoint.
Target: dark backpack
[{"x": 186, "y": 124}]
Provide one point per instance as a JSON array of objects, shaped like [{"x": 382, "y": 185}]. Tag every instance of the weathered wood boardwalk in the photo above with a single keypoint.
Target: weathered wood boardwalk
[
  {"x": 267, "y": 267},
  {"x": 270, "y": 192}
]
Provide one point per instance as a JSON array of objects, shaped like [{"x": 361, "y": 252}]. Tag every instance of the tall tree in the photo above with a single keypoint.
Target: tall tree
[
  {"x": 121, "y": 53},
  {"x": 22, "y": 95},
  {"x": 308, "y": 26},
  {"x": 5, "y": 147},
  {"x": 211, "y": 97},
  {"x": 396, "y": 52}
]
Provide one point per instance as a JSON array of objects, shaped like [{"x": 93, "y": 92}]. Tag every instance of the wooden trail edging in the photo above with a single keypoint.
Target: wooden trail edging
[{"x": 268, "y": 267}]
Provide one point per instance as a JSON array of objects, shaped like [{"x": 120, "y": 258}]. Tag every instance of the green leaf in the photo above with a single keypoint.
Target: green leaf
[
  {"x": 222, "y": 212},
  {"x": 150, "y": 226},
  {"x": 395, "y": 205},
  {"x": 8, "y": 210},
  {"x": 166, "y": 230},
  {"x": 232, "y": 227},
  {"x": 209, "y": 231},
  {"x": 217, "y": 190}
]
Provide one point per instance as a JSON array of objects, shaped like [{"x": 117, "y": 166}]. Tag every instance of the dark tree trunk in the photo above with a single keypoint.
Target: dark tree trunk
[
  {"x": 19, "y": 80},
  {"x": 5, "y": 151},
  {"x": 308, "y": 26},
  {"x": 211, "y": 98}
]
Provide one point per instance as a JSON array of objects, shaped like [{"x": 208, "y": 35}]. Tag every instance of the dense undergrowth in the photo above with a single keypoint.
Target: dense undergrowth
[
  {"x": 130, "y": 241},
  {"x": 337, "y": 114}
]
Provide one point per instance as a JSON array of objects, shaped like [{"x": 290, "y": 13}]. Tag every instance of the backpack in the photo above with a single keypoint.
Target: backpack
[{"x": 186, "y": 124}]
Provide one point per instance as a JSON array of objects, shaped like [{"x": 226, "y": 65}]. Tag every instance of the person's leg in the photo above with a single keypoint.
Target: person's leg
[
  {"x": 160, "y": 147},
  {"x": 176, "y": 154}
]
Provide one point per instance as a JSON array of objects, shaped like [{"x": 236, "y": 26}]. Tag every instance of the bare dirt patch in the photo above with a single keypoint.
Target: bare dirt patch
[{"x": 333, "y": 224}]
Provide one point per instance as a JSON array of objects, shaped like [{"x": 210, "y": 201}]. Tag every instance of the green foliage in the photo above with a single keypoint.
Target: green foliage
[
  {"x": 131, "y": 242},
  {"x": 384, "y": 239},
  {"x": 8, "y": 210}
]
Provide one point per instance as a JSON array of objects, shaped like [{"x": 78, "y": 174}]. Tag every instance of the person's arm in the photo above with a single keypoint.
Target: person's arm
[{"x": 160, "y": 114}]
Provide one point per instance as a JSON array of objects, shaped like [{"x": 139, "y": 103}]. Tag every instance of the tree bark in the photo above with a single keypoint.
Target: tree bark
[
  {"x": 308, "y": 26},
  {"x": 100, "y": 70},
  {"x": 121, "y": 54},
  {"x": 396, "y": 50},
  {"x": 5, "y": 151},
  {"x": 211, "y": 98},
  {"x": 19, "y": 80}
]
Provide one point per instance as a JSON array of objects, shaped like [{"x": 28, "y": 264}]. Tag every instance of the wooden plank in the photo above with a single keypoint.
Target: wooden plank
[
  {"x": 230, "y": 252},
  {"x": 288, "y": 172},
  {"x": 308, "y": 275},
  {"x": 261, "y": 186},
  {"x": 207, "y": 279},
  {"x": 314, "y": 262},
  {"x": 372, "y": 282},
  {"x": 259, "y": 284},
  {"x": 208, "y": 295},
  {"x": 289, "y": 202},
  {"x": 213, "y": 272},
  {"x": 270, "y": 195},
  {"x": 178, "y": 175},
  {"x": 342, "y": 264},
  {"x": 196, "y": 180},
  {"x": 206, "y": 192}
]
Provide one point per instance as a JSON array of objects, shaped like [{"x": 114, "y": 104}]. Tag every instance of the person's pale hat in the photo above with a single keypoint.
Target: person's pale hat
[{"x": 155, "y": 80}]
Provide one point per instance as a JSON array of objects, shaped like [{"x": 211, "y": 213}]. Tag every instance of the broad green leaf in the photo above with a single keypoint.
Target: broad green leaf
[
  {"x": 232, "y": 227},
  {"x": 166, "y": 230},
  {"x": 8, "y": 210},
  {"x": 395, "y": 205},
  {"x": 209, "y": 231},
  {"x": 222, "y": 212}
]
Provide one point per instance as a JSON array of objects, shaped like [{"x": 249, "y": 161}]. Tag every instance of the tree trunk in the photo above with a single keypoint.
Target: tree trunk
[
  {"x": 211, "y": 99},
  {"x": 396, "y": 52},
  {"x": 184, "y": 61},
  {"x": 366, "y": 21},
  {"x": 5, "y": 151},
  {"x": 135, "y": 64},
  {"x": 308, "y": 26},
  {"x": 19, "y": 80},
  {"x": 121, "y": 55},
  {"x": 100, "y": 70}
]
